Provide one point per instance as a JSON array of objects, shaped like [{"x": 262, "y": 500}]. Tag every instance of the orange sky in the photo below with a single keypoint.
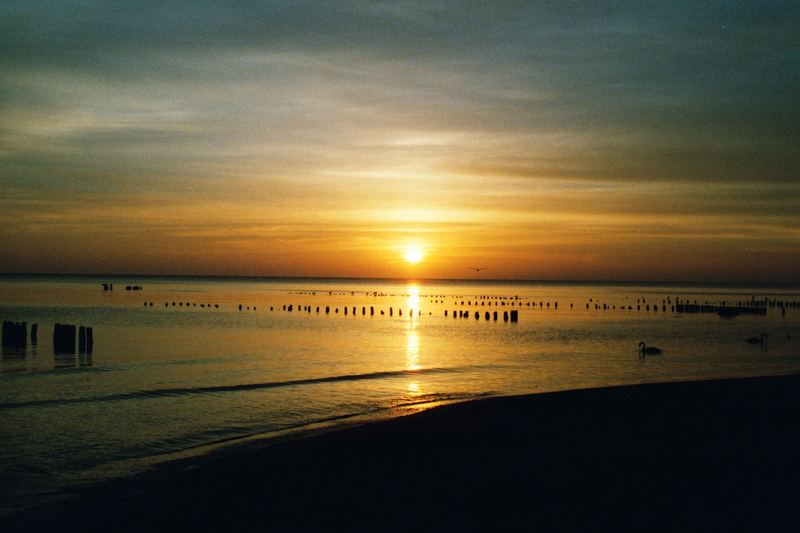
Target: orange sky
[{"x": 652, "y": 143}]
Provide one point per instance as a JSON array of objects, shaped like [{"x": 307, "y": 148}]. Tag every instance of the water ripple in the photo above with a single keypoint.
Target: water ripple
[{"x": 182, "y": 391}]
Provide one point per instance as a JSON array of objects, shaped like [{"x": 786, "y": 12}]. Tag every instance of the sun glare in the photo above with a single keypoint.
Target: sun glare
[{"x": 414, "y": 255}]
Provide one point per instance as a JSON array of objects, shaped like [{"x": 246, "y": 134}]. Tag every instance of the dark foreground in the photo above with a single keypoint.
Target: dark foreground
[{"x": 721, "y": 455}]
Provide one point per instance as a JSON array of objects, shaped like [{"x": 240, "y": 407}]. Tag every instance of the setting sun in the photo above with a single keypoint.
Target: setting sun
[{"x": 414, "y": 255}]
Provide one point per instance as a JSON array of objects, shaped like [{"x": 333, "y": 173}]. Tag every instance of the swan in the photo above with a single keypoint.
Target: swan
[
  {"x": 761, "y": 339},
  {"x": 649, "y": 350}
]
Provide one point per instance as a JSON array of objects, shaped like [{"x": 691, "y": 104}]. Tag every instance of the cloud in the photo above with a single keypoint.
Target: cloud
[{"x": 506, "y": 113}]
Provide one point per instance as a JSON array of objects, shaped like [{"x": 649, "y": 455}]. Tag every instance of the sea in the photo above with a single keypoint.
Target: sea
[{"x": 181, "y": 366}]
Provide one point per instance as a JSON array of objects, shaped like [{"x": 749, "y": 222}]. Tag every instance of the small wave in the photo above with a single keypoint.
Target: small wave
[
  {"x": 215, "y": 437},
  {"x": 182, "y": 391}
]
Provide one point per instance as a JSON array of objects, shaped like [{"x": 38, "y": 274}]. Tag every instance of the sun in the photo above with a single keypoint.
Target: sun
[{"x": 414, "y": 254}]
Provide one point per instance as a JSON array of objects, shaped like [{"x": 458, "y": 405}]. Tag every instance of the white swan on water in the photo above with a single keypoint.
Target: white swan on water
[
  {"x": 761, "y": 339},
  {"x": 649, "y": 350}
]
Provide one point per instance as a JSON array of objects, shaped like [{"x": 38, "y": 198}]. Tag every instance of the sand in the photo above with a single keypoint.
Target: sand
[{"x": 714, "y": 454}]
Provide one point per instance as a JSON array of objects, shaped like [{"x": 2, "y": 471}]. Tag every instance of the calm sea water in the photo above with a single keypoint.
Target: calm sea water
[{"x": 175, "y": 378}]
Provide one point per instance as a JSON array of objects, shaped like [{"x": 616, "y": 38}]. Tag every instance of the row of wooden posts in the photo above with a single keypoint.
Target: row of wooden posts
[
  {"x": 64, "y": 339},
  {"x": 512, "y": 316},
  {"x": 110, "y": 287},
  {"x": 15, "y": 335}
]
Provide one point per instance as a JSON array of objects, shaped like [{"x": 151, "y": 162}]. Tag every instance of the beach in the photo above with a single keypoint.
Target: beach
[{"x": 717, "y": 454}]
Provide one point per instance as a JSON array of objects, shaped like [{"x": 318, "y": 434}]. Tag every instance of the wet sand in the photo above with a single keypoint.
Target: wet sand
[{"x": 714, "y": 454}]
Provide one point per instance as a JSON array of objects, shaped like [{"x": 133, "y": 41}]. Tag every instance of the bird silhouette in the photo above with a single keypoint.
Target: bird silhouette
[
  {"x": 761, "y": 339},
  {"x": 477, "y": 269},
  {"x": 649, "y": 350}
]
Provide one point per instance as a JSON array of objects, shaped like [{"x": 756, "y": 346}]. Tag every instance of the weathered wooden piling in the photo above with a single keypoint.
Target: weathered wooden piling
[
  {"x": 81, "y": 340},
  {"x": 514, "y": 316},
  {"x": 64, "y": 339},
  {"x": 494, "y": 316},
  {"x": 15, "y": 334},
  {"x": 89, "y": 340},
  {"x": 487, "y": 315},
  {"x": 505, "y": 316},
  {"x": 34, "y": 333}
]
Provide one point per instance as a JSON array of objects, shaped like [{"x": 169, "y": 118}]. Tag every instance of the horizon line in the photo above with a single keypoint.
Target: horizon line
[{"x": 405, "y": 280}]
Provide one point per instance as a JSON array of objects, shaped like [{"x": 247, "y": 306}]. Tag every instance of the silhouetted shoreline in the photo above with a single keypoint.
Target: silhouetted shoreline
[{"x": 713, "y": 454}]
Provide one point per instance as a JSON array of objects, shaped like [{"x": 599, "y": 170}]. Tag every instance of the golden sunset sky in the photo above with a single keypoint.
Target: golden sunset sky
[{"x": 540, "y": 140}]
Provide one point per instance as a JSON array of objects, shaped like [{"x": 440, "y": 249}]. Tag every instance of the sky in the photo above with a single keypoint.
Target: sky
[{"x": 533, "y": 140}]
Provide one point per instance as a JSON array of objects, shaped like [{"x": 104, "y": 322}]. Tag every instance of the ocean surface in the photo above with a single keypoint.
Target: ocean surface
[{"x": 187, "y": 364}]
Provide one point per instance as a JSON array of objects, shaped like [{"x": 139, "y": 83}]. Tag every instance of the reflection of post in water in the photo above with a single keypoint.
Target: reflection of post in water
[
  {"x": 63, "y": 360},
  {"x": 13, "y": 352}
]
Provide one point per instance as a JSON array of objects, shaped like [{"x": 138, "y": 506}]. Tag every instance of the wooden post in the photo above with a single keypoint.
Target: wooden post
[
  {"x": 89, "y": 341},
  {"x": 81, "y": 340},
  {"x": 64, "y": 339}
]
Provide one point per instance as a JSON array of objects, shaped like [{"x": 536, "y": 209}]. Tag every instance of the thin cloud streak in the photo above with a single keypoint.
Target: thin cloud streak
[{"x": 347, "y": 127}]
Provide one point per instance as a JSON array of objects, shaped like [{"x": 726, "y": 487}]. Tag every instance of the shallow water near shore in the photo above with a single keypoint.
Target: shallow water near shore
[{"x": 193, "y": 369}]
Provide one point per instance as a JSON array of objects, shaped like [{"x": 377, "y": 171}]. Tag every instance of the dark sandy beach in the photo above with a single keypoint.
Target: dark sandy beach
[{"x": 716, "y": 454}]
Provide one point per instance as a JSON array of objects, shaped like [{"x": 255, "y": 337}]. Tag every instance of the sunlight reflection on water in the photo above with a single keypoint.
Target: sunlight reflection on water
[{"x": 231, "y": 373}]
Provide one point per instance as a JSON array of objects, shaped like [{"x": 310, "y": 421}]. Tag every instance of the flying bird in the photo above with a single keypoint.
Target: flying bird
[{"x": 477, "y": 269}]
